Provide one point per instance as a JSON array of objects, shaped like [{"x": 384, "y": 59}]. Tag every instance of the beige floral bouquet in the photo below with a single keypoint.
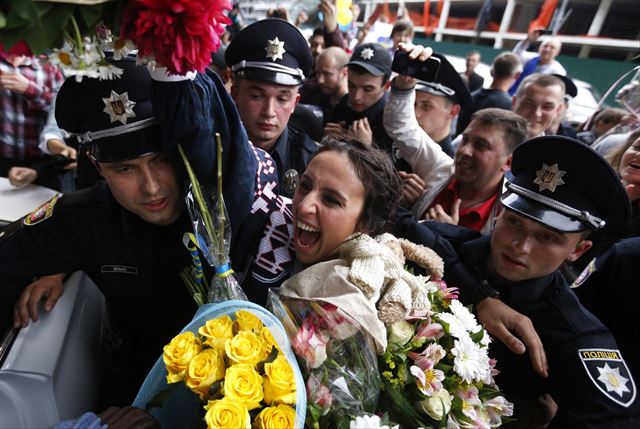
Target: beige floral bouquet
[{"x": 234, "y": 358}]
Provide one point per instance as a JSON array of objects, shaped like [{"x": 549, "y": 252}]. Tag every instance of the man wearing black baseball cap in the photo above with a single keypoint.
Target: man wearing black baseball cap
[
  {"x": 270, "y": 59},
  {"x": 360, "y": 110},
  {"x": 559, "y": 125}
]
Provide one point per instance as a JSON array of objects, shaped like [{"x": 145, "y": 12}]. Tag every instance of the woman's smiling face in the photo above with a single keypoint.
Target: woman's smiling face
[{"x": 327, "y": 207}]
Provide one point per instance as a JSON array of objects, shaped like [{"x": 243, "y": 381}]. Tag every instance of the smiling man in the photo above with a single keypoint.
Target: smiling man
[
  {"x": 539, "y": 100},
  {"x": 463, "y": 190},
  {"x": 544, "y": 61}
]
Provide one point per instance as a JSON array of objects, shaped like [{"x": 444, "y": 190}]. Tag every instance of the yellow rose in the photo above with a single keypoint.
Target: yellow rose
[
  {"x": 245, "y": 347},
  {"x": 215, "y": 332},
  {"x": 227, "y": 413},
  {"x": 268, "y": 342},
  {"x": 178, "y": 353},
  {"x": 242, "y": 383},
  {"x": 247, "y": 321},
  {"x": 279, "y": 382},
  {"x": 280, "y": 417},
  {"x": 204, "y": 370}
]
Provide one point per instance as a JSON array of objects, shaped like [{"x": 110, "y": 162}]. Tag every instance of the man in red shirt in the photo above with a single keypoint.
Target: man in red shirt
[{"x": 464, "y": 190}]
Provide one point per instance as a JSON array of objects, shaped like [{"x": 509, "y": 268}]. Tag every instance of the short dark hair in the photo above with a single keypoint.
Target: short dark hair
[
  {"x": 512, "y": 125},
  {"x": 382, "y": 184},
  {"x": 539, "y": 79},
  {"x": 401, "y": 26},
  {"x": 506, "y": 65},
  {"x": 610, "y": 115},
  {"x": 357, "y": 69}
]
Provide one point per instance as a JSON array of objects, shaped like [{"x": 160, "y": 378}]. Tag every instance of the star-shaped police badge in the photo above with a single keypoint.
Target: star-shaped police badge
[
  {"x": 366, "y": 54},
  {"x": 119, "y": 107},
  {"x": 275, "y": 49},
  {"x": 613, "y": 380},
  {"x": 549, "y": 177}
]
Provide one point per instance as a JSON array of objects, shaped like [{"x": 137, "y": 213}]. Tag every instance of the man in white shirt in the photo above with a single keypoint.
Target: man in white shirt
[{"x": 544, "y": 61}]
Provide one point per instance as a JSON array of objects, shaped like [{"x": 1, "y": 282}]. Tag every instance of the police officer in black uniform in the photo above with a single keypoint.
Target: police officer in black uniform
[
  {"x": 562, "y": 195},
  {"x": 127, "y": 234},
  {"x": 447, "y": 84},
  {"x": 269, "y": 60}
]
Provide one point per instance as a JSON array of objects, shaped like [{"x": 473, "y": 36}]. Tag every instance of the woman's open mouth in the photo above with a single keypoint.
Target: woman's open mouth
[{"x": 306, "y": 235}]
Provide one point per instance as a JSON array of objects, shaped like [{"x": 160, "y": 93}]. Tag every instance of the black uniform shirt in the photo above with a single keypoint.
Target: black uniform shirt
[
  {"x": 344, "y": 113},
  {"x": 579, "y": 348},
  {"x": 292, "y": 151},
  {"x": 134, "y": 264}
]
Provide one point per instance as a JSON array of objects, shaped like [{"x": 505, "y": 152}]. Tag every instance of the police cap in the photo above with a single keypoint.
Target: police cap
[
  {"x": 373, "y": 57},
  {"x": 112, "y": 118},
  {"x": 270, "y": 50},
  {"x": 570, "y": 88},
  {"x": 565, "y": 185},
  {"x": 447, "y": 83}
]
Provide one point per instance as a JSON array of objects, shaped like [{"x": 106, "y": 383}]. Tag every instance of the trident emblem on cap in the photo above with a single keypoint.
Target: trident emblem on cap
[
  {"x": 549, "y": 177},
  {"x": 119, "y": 107}
]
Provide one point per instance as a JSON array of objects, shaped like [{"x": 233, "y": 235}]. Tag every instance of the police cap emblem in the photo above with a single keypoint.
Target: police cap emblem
[
  {"x": 119, "y": 107},
  {"x": 549, "y": 177}
]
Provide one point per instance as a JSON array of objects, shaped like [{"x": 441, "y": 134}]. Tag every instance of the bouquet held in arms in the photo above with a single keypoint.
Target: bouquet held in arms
[
  {"x": 433, "y": 366},
  {"x": 233, "y": 360}
]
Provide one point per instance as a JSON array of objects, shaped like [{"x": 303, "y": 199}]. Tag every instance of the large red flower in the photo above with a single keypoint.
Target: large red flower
[{"x": 180, "y": 34}]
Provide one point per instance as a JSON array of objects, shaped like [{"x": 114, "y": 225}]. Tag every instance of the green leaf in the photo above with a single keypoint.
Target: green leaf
[{"x": 3, "y": 20}]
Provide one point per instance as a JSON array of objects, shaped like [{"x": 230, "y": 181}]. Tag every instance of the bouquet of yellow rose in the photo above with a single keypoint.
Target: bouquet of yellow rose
[{"x": 236, "y": 359}]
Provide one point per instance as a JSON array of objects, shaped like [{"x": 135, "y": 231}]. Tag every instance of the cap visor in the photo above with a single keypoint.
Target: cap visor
[
  {"x": 542, "y": 214},
  {"x": 262, "y": 75},
  {"x": 368, "y": 67}
]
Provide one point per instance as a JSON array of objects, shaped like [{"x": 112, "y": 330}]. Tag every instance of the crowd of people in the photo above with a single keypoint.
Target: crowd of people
[{"x": 320, "y": 142}]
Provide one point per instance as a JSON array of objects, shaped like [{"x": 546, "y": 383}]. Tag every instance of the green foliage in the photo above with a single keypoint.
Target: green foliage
[{"x": 43, "y": 25}]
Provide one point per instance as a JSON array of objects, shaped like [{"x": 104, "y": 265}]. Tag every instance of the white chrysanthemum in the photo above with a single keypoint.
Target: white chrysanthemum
[
  {"x": 471, "y": 361},
  {"x": 461, "y": 322},
  {"x": 122, "y": 48},
  {"x": 369, "y": 422},
  {"x": 109, "y": 71}
]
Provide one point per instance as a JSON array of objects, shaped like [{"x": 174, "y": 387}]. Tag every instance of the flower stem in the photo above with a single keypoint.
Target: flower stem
[
  {"x": 221, "y": 216},
  {"x": 197, "y": 190},
  {"x": 78, "y": 35}
]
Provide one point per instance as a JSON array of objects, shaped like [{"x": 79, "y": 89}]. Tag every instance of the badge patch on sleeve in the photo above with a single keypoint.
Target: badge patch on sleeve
[
  {"x": 45, "y": 211},
  {"x": 609, "y": 372}
]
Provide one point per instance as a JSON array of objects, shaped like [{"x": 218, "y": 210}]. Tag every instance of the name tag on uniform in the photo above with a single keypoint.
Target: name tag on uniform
[{"x": 118, "y": 269}]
